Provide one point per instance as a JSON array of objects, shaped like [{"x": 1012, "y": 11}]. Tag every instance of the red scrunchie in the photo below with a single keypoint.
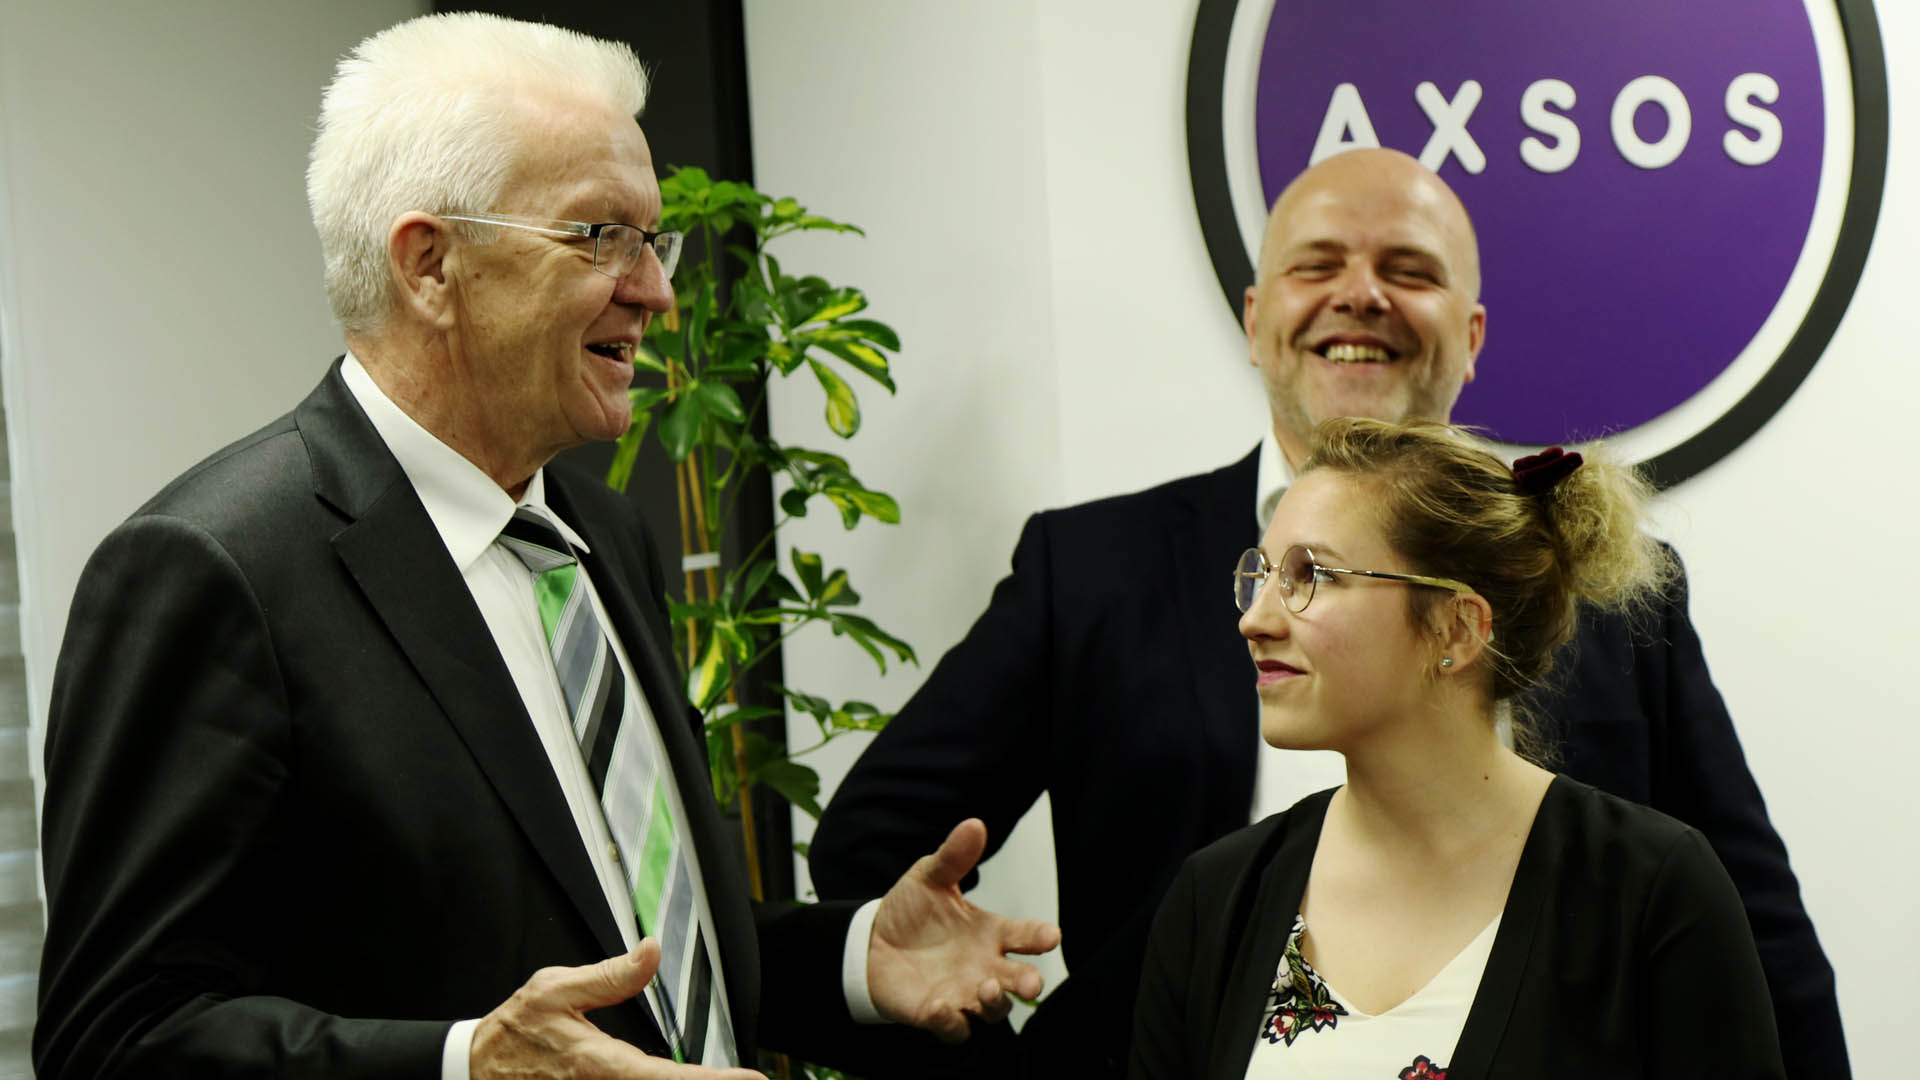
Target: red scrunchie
[{"x": 1536, "y": 474}]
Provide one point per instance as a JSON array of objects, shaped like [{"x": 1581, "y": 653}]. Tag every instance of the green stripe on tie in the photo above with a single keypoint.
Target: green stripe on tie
[
  {"x": 656, "y": 857},
  {"x": 550, "y": 591}
]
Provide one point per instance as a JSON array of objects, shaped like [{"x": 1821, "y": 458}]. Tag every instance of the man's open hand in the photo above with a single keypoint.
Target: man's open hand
[
  {"x": 542, "y": 1030},
  {"x": 935, "y": 958}
]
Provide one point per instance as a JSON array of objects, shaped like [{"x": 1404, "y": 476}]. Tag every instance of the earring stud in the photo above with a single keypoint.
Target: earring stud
[{"x": 1446, "y": 661}]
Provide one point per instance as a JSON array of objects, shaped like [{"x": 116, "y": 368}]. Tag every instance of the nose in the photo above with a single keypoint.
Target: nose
[
  {"x": 1266, "y": 619},
  {"x": 1357, "y": 291},
  {"x": 646, "y": 285}
]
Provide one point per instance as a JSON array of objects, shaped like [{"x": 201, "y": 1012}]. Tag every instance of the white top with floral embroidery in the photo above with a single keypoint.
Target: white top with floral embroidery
[{"x": 1309, "y": 1032}]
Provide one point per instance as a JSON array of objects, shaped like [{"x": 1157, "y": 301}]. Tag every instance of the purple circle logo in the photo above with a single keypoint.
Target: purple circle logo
[{"x": 1672, "y": 197}]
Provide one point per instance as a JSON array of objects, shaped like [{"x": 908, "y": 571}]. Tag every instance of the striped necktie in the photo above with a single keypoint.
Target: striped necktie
[{"x": 625, "y": 768}]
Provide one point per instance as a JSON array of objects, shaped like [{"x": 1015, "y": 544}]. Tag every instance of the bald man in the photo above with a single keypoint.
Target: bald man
[{"x": 1108, "y": 671}]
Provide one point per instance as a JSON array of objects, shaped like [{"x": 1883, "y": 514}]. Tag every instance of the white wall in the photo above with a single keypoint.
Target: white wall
[
  {"x": 160, "y": 281},
  {"x": 1019, "y": 166}
]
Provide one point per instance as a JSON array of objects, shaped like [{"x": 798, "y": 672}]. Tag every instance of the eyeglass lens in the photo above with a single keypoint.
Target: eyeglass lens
[
  {"x": 617, "y": 252},
  {"x": 1296, "y": 578}
]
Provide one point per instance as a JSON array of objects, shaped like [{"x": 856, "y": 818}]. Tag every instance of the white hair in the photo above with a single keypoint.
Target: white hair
[{"x": 426, "y": 116}]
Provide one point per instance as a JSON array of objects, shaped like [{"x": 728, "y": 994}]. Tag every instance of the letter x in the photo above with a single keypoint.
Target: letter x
[{"x": 1449, "y": 119}]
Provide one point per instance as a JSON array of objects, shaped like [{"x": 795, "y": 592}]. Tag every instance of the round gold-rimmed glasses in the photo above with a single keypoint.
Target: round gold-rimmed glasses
[{"x": 1299, "y": 572}]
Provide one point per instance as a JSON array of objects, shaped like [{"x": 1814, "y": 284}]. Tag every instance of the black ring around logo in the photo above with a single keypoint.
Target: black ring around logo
[{"x": 1212, "y": 203}]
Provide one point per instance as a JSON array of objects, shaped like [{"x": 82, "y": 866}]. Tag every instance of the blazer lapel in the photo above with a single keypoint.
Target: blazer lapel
[
  {"x": 1539, "y": 865},
  {"x": 391, "y": 549},
  {"x": 1260, "y": 919},
  {"x": 1214, "y": 525}
]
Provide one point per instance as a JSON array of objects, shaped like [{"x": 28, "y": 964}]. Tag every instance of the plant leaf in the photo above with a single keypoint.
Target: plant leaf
[
  {"x": 872, "y": 330},
  {"x": 720, "y": 400},
  {"x": 681, "y": 429},
  {"x": 843, "y": 409},
  {"x": 795, "y": 782},
  {"x": 807, "y": 566},
  {"x": 862, "y": 358},
  {"x": 835, "y": 305},
  {"x": 709, "y": 676}
]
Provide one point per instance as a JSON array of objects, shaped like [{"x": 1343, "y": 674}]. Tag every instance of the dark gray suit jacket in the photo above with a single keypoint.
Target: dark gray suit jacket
[{"x": 297, "y": 820}]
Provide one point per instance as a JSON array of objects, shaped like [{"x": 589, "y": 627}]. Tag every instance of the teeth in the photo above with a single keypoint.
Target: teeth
[{"x": 1357, "y": 354}]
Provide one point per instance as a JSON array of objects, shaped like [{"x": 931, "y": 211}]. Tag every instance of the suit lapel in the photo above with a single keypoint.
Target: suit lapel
[
  {"x": 1214, "y": 524},
  {"x": 392, "y": 551}
]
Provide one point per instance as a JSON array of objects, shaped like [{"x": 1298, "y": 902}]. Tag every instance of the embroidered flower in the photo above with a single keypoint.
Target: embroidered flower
[
  {"x": 1299, "y": 1000},
  {"x": 1423, "y": 1068}
]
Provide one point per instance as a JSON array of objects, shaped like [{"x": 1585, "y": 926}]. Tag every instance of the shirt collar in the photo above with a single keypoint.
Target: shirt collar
[
  {"x": 1276, "y": 476},
  {"x": 466, "y": 507}
]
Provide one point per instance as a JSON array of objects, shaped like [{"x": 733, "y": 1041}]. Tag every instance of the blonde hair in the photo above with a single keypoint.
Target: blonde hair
[
  {"x": 425, "y": 115},
  {"x": 1452, "y": 509}
]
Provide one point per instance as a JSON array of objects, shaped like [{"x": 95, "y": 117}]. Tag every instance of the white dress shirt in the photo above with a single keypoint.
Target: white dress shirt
[{"x": 468, "y": 510}]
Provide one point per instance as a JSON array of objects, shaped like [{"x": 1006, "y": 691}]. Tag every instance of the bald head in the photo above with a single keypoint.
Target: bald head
[
  {"x": 1393, "y": 184},
  {"x": 1367, "y": 298}
]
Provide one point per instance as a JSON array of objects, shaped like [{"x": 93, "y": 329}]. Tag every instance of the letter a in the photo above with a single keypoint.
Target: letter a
[{"x": 1346, "y": 126}]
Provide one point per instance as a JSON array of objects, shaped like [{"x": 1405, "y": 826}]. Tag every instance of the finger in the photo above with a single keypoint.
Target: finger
[
  {"x": 615, "y": 979},
  {"x": 1022, "y": 979},
  {"x": 1028, "y": 936},
  {"x": 958, "y": 854},
  {"x": 950, "y": 1026},
  {"x": 994, "y": 1002}
]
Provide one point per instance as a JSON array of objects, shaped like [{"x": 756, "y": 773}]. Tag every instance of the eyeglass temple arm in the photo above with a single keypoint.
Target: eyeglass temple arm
[{"x": 1417, "y": 579}]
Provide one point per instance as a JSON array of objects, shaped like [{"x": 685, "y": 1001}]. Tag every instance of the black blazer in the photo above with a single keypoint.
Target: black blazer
[
  {"x": 1621, "y": 954},
  {"x": 1108, "y": 671},
  {"x": 291, "y": 787}
]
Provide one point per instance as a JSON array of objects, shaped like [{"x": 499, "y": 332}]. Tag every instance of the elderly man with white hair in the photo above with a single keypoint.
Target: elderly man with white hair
[{"x": 366, "y": 755}]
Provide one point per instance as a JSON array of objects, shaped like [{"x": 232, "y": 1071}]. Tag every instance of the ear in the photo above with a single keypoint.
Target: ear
[
  {"x": 418, "y": 247},
  {"x": 1246, "y": 322},
  {"x": 1476, "y": 337},
  {"x": 1464, "y": 627}
]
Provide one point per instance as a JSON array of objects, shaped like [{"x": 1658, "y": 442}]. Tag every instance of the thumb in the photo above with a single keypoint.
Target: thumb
[
  {"x": 958, "y": 854},
  {"x": 613, "y": 980}
]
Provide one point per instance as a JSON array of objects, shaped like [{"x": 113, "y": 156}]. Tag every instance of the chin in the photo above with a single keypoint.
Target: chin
[{"x": 1288, "y": 733}]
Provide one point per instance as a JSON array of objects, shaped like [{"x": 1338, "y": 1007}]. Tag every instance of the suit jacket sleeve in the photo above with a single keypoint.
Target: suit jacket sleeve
[
  {"x": 1699, "y": 774},
  {"x": 166, "y": 753},
  {"x": 971, "y": 743}
]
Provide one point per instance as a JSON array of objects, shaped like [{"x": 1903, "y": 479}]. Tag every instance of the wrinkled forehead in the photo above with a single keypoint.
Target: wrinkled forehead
[{"x": 585, "y": 162}]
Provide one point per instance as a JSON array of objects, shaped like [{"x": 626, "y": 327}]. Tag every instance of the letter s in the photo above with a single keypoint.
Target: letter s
[
  {"x": 1760, "y": 147},
  {"x": 1565, "y": 133}
]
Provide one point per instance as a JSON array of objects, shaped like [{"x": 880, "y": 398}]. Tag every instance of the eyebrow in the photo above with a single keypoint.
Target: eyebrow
[{"x": 1316, "y": 549}]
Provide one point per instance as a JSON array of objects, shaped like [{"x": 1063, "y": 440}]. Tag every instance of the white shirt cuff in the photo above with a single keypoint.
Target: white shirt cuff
[
  {"x": 453, "y": 1059},
  {"x": 853, "y": 967}
]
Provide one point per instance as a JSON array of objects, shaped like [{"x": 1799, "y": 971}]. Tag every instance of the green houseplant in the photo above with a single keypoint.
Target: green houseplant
[{"x": 705, "y": 370}]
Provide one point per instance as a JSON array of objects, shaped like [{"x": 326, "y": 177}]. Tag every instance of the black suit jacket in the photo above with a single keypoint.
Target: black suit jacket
[
  {"x": 1109, "y": 672},
  {"x": 297, "y": 820},
  {"x": 1621, "y": 954}
]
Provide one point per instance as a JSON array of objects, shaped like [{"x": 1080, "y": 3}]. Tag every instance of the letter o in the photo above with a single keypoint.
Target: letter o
[{"x": 1661, "y": 92}]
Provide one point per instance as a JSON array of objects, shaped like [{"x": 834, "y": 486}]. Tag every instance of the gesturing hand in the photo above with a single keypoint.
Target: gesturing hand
[
  {"x": 935, "y": 958},
  {"x": 542, "y": 1030}
]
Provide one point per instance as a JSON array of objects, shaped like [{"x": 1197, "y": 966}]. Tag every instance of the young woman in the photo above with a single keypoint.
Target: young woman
[{"x": 1455, "y": 910}]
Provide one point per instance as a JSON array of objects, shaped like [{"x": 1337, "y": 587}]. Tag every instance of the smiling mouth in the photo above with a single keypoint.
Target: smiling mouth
[
  {"x": 617, "y": 351},
  {"x": 1348, "y": 353}
]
